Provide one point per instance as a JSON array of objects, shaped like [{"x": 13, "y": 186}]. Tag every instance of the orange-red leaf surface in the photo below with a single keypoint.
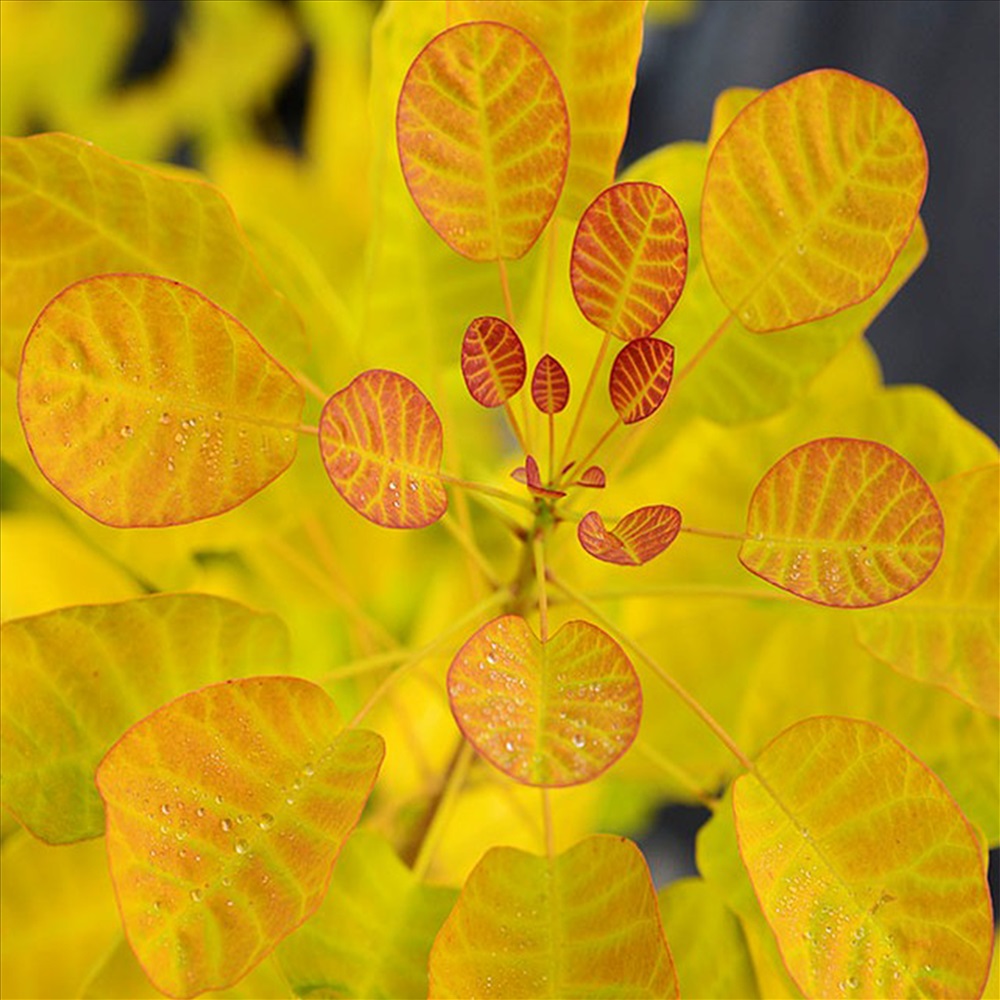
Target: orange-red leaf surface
[
  {"x": 640, "y": 378},
  {"x": 948, "y": 632},
  {"x": 381, "y": 443},
  {"x": 493, "y": 362},
  {"x": 530, "y": 476},
  {"x": 582, "y": 924},
  {"x": 226, "y": 810},
  {"x": 843, "y": 522},
  {"x": 810, "y": 195},
  {"x": 629, "y": 259},
  {"x": 147, "y": 405},
  {"x": 483, "y": 138},
  {"x": 872, "y": 880},
  {"x": 593, "y": 477},
  {"x": 550, "y": 385},
  {"x": 639, "y": 536},
  {"x": 546, "y": 713}
]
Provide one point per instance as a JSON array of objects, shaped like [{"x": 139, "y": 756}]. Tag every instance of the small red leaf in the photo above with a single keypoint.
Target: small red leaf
[
  {"x": 529, "y": 475},
  {"x": 638, "y": 537},
  {"x": 593, "y": 477},
  {"x": 493, "y": 362},
  {"x": 640, "y": 378},
  {"x": 629, "y": 259},
  {"x": 550, "y": 385}
]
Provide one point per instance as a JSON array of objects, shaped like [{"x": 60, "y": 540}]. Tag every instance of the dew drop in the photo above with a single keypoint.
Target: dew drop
[
  {"x": 229, "y": 902},
  {"x": 219, "y": 800},
  {"x": 509, "y": 746},
  {"x": 266, "y": 821},
  {"x": 309, "y": 770},
  {"x": 227, "y": 881},
  {"x": 165, "y": 809},
  {"x": 200, "y": 811},
  {"x": 227, "y": 825},
  {"x": 196, "y": 895},
  {"x": 800, "y": 249},
  {"x": 578, "y": 740},
  {"x": 126, "y": 431},
  {"x": 242, "y": 847}
]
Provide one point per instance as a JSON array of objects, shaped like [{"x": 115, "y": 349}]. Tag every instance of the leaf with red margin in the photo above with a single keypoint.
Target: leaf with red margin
[
  {"x": 582, "y": 923},
  {"x": 493, "y": 362},
  {"x": 550, "y": 713},
  {"x": 147, "y": 405},
  {"x": 226, "y": 810},
  {"x": 870, "y": 877},
  {"x": 639, "y": 536},
  {"x": 640, "y": 378},
  {"x": 629, "y": 259},
  {"x": 550, "y": 385},
  {"x": 529, "y": 476},
  {"x": 483, "y": 137},
  {"x": 593, "y": 477},
  {"x": 381, "y": 443},
  {"x": 810, "y": 195},
  {"x": 843, "y": 522}
]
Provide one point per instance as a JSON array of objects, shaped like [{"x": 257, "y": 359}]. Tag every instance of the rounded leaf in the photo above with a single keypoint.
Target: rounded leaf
[
  {"x": 530, "y": 476},
  {"x": 146, "y": 405},
  {"x": 493, "y": 363},
  {"x": 640, "y": 378},
  {"x": 550, "y": 385},
  {"x": 381, "y": 442},
  {"x": 629, "y": 259},
  {"x": 483, "y": 138},
  {"x": 226, "y": 810},
  {"x": 639, "y": 536},
  {"x": 843, "y": 522},
  {"x": 546, "y": 714},
  {"x": 810, "y": 195},
  {"x": 867, "y": 872}
]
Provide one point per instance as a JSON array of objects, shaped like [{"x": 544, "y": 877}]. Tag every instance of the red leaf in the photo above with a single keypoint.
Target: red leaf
[
  {"x": 638, "y": 537},
  {"x": 550, "y": 385},
  {"x": 640, "y": 378},
  {"x": 593, "y": 477},
  {"x": 529, "y": 475},
  {"x": 493, "y": 362}
]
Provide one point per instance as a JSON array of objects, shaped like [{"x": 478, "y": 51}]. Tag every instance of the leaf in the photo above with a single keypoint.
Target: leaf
[
  {"x": 493, "y": 362},
  {"x": 147, "y": 405},
  {"x": 584, "y": 923},
  {"x": 639, "y": 536},
  {"x": 226, "y": 810},
  {"x": 629, "y": 259},
  {"x": 871, "y": 878},
  {"x": 75, "y": 679},
  {"x": 381, "y": 443},
  {"x": 483, "y": 139},
  {"x": 60, "y": 226},
  {"x": 640, "y": 378},
  {"x": 810, "y": 195},
  {"x": 373, "y": 932},
  {"x": 592, "y": 477},
  {"x": 550, "y": 385},
  {"x": 947, "y": 634},
  {"x": 529, "y": 475},
  {"x": 843, "y": 522},
  {"x": 545, "y": 713}
]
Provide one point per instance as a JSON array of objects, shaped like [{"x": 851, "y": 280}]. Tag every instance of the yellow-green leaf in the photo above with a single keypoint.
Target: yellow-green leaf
[
  {"x": 947, "y": 633},
  {"x": 810, "y": 195},
  {"x": 75, "y": 679},
  {"x": 584, "y": 923},
  {"x": 869, "y": 875},
  {"x": 226, "y": 810}
]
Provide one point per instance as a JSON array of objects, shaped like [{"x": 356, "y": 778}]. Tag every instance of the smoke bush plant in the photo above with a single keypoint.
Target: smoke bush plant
[{"x": 625, "y": 516}]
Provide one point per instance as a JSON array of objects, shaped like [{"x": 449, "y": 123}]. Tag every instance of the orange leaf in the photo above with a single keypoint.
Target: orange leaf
[
  {"x": 529, "y": 475},
  {"x": 593, "y": 477},
  {"x": 639, "y": 536},
  {"x": 483, "y": 138},
  {"x": 810, "y": 195},
  {"x": 868, "y": 873},
  {"x": 545, "y": 713},
  {"x": 550, "y": 385},
  {"x": 640, "y": 378},
  {"x": 843, "y": 522},
  {"x": 147, "y": 405},
  {"x": 583, "y": 923},
  {"x": 493, "y": 362},
  {"x": 226, "y": 810},
  {"x": 629, "y": 259},
  {"x": 381, "y": 443}
]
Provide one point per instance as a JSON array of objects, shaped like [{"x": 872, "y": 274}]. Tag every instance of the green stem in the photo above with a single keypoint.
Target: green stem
[
  {"x": 443, "y": 808},
  {"x": 598, "y": 361}
]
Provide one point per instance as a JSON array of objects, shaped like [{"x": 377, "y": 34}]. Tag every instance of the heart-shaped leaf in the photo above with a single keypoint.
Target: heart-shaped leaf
[
  {"x": 640, "y": 378},
  {"x": 810, "y": 195},
  {"x": 629, "y": 259},
  {"x": 493, "y": 362},
  {"x": 593, "y": 477},
  {"x": 843, "y": 522},
  {"x": 581, "y": 924},
  {"x": 146, "y": 405},
  {"x": 529, "y": 475},
  {"x": 639, "y": 536},
  {"x": 868, "y": 873},
  {"x": 483, "y": 138},
  {"x": 550, "y": 385},
  {"x": 381, "y": 443},
  {"x": 226, "y": 810},
  {"x": 546, "y": 713}
]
